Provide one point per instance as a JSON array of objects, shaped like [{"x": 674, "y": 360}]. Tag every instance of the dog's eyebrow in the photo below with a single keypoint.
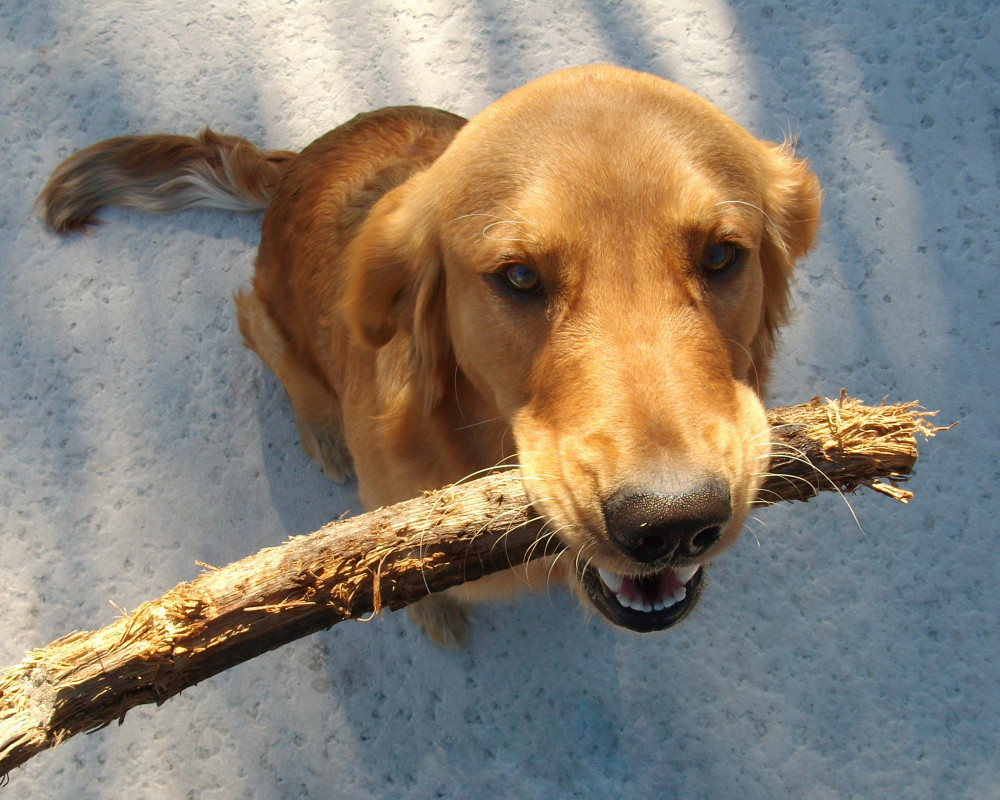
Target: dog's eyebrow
[
  {"x": 505, "y": 238},
  {"x": 747, "y": 204},
  {"x": 498, "y": 220},
  {"x": 744, "y": 203},
  {"x": 770, "y": 224}
]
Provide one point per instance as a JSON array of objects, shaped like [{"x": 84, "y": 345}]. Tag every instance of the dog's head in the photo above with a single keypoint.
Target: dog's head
[{"x": 605, "y": 257}]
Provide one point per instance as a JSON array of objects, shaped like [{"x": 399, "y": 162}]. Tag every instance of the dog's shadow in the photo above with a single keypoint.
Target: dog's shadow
[{"x": 426, "y": 715}]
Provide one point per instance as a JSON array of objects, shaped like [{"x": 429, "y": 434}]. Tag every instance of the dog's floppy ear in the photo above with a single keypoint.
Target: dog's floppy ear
[
  {"x": 792, "y": 202},
  {"x": 394, "y": 283}
]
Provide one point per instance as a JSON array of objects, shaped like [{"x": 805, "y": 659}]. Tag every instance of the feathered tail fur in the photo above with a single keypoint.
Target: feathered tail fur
[{"x": 161, "y": 174}]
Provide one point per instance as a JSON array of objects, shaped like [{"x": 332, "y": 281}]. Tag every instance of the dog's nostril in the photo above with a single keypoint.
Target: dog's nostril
[
  {"x": 653, "y": 526},
  {"x": 651, "y": 547},
  {"x": 702, "y": 541}
]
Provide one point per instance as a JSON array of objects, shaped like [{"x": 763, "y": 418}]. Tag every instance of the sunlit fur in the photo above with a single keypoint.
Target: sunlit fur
[{"x": 376, "y": 301}]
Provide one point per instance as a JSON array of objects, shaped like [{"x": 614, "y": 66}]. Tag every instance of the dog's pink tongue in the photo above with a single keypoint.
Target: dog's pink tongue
[
  {"x": 652, "y": 593},
  {"x": 652, "y": 589}
]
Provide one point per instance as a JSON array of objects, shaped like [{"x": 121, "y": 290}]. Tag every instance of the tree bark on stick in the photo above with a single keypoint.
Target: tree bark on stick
[{"x": 385, "y": 559}]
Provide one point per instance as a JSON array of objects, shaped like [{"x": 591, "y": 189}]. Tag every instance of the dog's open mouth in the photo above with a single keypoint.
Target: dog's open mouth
[{"x": 646, "y": 603}]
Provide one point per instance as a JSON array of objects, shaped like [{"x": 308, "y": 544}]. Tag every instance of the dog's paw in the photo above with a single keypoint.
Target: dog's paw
[
  {"x": 327, "y": 448},
  {"x": 442, "y": 618}
]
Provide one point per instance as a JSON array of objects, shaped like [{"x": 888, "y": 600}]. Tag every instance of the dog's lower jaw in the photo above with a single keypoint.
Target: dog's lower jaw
[{"x": 644, "y": 605}]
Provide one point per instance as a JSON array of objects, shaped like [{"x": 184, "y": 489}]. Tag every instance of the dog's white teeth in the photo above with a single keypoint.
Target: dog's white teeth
[
  {"x": 630, "y": 602},
  {"x": 612, "y": 580},
  {"x": 684, "y": 574},
  {"x": 629, "y": 596},
  {"x": 637, "y": 604}
]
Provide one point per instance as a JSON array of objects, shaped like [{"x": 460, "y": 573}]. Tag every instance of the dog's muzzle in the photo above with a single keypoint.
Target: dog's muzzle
[{"x": 665, "y": 536}]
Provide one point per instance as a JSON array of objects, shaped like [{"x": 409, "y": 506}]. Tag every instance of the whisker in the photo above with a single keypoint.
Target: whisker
[
  {"x": 787, "y": 451},
  {"x": 515, "y": 213},
  {"x": 546, "y": 538},
  {"x": 498, "y": 221},
  {"x": 753, "y": 533},
  {"x": 497, "y": 217},
  {"x": 458, "y": 400},
  {"x": 476, "y": 424},
  {"x": 827, "y": 479},
  {"x": 775, "y": 229},
  {"x": 753, "y": 365}
]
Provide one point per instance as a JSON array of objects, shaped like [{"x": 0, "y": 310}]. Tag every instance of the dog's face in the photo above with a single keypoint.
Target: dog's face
[{"x": 605, "y": 257}]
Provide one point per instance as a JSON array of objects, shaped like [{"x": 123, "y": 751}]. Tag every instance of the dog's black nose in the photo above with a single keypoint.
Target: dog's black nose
[{"x": 653, "y": 527}]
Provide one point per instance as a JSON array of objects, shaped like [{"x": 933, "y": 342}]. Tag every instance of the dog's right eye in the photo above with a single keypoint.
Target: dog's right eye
[
  {"x": 521, "y": 279},
  {"x": 722, "y": 257}
]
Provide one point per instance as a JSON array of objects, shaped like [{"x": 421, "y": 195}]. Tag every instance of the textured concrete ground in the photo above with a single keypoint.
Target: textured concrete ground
[{"x": 137, "y": 436}]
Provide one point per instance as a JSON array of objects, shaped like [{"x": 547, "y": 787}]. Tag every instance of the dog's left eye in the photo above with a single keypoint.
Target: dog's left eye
[
  {"x": 723, "y": 256},
  {"x": 521, "y": 278}
]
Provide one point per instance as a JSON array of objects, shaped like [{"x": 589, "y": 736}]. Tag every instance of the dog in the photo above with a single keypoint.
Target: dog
[{"x": 584, "y": 280}]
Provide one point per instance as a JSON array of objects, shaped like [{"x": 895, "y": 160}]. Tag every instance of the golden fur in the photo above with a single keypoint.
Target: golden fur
[{"x": 540, "y": 286}]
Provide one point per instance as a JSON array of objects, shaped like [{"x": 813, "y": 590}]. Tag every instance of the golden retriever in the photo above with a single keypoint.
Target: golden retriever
[{"x": 583, "y": 280}]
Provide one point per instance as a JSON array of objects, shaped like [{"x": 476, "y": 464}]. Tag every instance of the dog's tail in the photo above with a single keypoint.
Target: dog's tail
[{"x": 161, "y": 173}]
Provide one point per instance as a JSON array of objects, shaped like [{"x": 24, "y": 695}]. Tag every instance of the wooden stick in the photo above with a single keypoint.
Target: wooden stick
[{"x": 385, "y": 559}]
